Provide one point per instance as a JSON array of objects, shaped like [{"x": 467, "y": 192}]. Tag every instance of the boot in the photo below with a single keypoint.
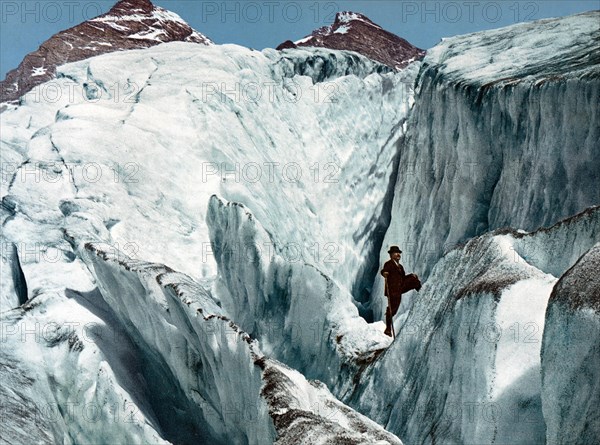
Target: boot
[{"x": 388, "y": 323}]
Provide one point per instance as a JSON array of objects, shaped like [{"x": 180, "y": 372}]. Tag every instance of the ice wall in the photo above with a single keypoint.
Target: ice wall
[
  {"x": 571, "y": 353},
  {"x": 321, "y": 64},
  {"x": 465, "y": 366},
  {"x": 299, "y": 314},
  {"x": 70, "y": 374},
  {"x": 203, "y": 359},
  {"x": 504, "y": 132},
  {"x": 218, "y": 377}
]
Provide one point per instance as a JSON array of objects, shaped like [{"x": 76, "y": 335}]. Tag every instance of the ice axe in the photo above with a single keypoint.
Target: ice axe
[{"x": 389, "y": 308}]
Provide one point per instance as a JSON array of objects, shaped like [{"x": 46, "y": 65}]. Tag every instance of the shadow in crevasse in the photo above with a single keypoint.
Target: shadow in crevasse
[
  {"x": 143, "y": 373},
  {"x": 377, "y": 227}
]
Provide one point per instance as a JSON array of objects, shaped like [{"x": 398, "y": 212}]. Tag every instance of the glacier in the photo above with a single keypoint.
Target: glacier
[
  {"x": 191, "y": 239},
  {"x": 470, "y": 345},
  {"x": 572, "y": 318},
  {"x": 505, "y": 129},
  {"x": 97, "y": 204},
  {"x": 496, "y": 199}
]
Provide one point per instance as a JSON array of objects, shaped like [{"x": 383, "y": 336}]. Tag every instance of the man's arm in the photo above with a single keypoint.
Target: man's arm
[{"x": 386, "y": 270}]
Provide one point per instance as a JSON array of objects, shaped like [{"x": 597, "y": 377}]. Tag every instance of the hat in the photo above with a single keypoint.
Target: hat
[{"x": 394, "y": 249}]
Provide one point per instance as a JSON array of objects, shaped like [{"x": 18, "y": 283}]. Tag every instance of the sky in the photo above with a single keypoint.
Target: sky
[{"x": 25, "y": 24}]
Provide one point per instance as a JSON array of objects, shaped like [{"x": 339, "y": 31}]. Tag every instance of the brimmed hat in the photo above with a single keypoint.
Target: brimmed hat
[{"x": 394, "y": 249}]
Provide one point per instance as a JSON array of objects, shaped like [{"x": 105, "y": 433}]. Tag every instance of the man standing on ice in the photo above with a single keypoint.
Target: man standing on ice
[{"x": 396, "y": 283}]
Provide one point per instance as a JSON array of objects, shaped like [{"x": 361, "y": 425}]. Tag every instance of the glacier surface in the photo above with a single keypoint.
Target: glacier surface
[{"x": 191, "y": 238}]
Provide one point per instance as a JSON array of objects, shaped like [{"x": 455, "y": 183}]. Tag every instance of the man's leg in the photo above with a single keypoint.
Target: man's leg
[
  {"x": 388, "y": 322},
  {"x": 395, "y": 303}
]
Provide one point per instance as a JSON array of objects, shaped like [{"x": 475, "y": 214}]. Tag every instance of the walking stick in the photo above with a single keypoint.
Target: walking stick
[{"x": 389, "y": 308}]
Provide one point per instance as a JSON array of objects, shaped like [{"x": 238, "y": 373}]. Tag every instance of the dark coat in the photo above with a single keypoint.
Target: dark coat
[
  {"x": 395, "y": 278},
  {"x": 398, "y": 282},
  {"x": 411, "y": 282}
]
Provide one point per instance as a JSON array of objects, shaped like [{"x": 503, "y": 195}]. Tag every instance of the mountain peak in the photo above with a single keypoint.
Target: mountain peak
[
  {"x": 349, "y": 16},
  {"x": 129, "y": 24},
  {"x": 354, "y": 31},
  {"x": 128, "y": 6}
]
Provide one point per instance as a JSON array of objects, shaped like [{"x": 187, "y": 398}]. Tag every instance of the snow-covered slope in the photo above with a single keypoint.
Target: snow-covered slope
[
  {"x": 148, "y": 355},
  {"x": 105, "y": 185},
  {"x": 571, "y": 353},
  {"x": 504, "y": 132},
  {"x": 305, "y": 412},
  {"x": 178, "y": 140}
]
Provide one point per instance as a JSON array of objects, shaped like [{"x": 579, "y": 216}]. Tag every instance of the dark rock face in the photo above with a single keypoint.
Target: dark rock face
[
  {"x": 286, "y": 44},
  {"x": 355, "y": 32},
  {"x": 130, "y": 24}
]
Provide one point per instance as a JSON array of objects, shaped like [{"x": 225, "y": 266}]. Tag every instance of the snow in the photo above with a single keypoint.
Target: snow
[
  {"x": 520, "y": 321},
  {"x": 505, "y": 376},
  {"x": 311, "y": 314},
  {"x": 162, "y": 274},
  {"x": 503, "y": 130},
  {"x": 159, "y": 14},
  {"x": 38, "y": 71},
  {"x": 112, "y": 23},
  {"x": 295, "y": 402},
  {"x": 154, "y": 124},
  {"x": 533, "y": 50},
  {"x": 150, "y": 34},
  {"x": 109, "y": 177},
  {"x": 348, "y": 16},
  {"x": 470, "y": 343},
  {"x": 66, "y": 349},
  {"x": 342, "y": 29},
  {"x": 303, "y": 40},
  {"x": 204, "y": 360}
]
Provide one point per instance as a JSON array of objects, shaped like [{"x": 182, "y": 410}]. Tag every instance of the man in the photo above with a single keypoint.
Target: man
[{"x": 396, "y": 283}]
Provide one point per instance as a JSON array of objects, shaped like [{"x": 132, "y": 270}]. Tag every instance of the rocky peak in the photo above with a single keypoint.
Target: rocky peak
[
  {"x": 130, "y": 24},
  {"x": 349, "y": 16},
  {"x": 354, "y": 31},
  {"x": 125, "y": 7}
]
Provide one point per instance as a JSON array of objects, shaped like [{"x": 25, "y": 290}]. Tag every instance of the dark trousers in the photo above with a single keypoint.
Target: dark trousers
[{"x": 393, "y": 305}]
